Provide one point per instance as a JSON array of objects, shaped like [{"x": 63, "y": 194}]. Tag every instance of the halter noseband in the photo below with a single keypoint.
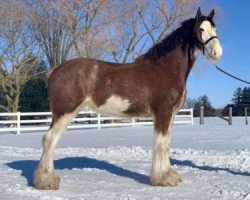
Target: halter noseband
[{"x": 213, "y": 37}]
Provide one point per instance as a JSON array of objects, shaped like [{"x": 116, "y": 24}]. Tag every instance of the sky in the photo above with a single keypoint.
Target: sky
[{"x": 233, "y": 26}]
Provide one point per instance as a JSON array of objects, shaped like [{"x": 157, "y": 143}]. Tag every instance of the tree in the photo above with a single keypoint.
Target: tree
[
  {"x": 241, "y": 99},
  {"x": 34, "y": 97},
  {"x": 245, "y": 101},
  {"x": 16, "y": 60},
  {"x": 208, "y": 108},
  {"x": 46, "y": 26},
  {"x": 145, "y": 23},
  {"x": 65, "y": 29},
  {"x": 237, "y": 98},
  {"x": 104, "y": 29},
  {"x": 190, "y": 103},
  {"x": 225, "y": 110}
]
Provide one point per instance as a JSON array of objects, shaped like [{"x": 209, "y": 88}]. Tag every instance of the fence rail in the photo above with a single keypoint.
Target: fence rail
[{"x": 37, "y": 121}]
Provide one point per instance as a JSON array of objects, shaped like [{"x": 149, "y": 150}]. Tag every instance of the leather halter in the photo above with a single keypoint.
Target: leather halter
[{"x": 211, "y": 38}]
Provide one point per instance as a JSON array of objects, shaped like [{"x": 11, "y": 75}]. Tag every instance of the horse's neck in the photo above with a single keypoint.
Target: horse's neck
[{"x": 179, "y": 62}]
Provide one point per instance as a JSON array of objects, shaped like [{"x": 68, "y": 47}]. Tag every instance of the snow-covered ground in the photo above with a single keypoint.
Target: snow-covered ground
[{"x": 213, "y": 161}]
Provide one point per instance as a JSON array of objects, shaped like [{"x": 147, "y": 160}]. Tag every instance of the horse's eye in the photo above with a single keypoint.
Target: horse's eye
[{"x": 201, "y": 30}]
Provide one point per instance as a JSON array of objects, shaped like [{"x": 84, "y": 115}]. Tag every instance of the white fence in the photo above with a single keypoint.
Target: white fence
[{"x": 29, "y": 121}]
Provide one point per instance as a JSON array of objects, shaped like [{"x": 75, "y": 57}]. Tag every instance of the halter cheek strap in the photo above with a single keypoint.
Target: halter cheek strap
[{"x": 213, "y": 37}]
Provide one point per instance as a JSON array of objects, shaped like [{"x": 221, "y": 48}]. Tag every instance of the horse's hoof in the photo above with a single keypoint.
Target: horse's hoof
[
  {"x": 167, "y": 179},
  {"x": 47, "y": 181}
]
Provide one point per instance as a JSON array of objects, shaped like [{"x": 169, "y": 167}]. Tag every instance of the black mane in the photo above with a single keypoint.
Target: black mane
[{"x": 182, "y": 36}]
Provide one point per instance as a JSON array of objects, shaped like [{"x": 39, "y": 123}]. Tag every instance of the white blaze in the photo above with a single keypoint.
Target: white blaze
[{"x": 213, "y": 49}]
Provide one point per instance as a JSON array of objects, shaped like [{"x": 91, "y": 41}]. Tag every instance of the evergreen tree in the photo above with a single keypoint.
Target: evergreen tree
[
  {"x": 197, "y": 109},
  {"x": 225, "y": 110},
  {"x": 241, "y": 99},
  {"x": 208, "y": 108},
  {"x": 34, "y": 97},
  {"x": 237, "y": 98},
  {"x": 245, "y": 102}
]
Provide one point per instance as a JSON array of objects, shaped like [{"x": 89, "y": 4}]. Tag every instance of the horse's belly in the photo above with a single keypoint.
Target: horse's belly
[{"x": 114, "y": 105}]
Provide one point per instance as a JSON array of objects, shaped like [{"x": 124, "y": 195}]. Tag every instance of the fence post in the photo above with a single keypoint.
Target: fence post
[
  {"x": 246, "y": 115},
  {"x": 18, "y": 123},
  {"x": 99, "y": 121},
  {"x": 201, "y": 115},
  {"x": 192, "y": 116},
  {"x": 230, "y": 121},
  {"x": 133, "y": 122}
]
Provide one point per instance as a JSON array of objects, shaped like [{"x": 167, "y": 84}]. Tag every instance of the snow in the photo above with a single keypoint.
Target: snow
[{"x": 213, "y": 161}]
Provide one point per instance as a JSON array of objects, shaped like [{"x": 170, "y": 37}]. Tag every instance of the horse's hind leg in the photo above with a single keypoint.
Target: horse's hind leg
[{"x": 45, "y": 176}]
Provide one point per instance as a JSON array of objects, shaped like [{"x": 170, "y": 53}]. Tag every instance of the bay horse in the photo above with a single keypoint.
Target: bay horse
[{"x": 153, "y": 85}]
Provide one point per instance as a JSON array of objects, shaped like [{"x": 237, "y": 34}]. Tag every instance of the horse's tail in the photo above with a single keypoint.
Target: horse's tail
[
  {"x": 50, "y": 72},
  {"x": 140, "y": 58}
]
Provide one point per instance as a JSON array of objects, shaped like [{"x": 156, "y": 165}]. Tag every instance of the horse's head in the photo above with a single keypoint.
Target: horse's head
[{"x": 206, "y": 34}]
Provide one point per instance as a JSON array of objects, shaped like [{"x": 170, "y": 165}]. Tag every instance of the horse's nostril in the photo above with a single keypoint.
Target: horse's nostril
[{"x": 214, "y": 52}]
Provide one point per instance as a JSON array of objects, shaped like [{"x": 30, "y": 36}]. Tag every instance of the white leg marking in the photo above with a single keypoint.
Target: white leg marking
[
  {"x": 45, "y": 176},
  {"x": 161, "y": 172},
  {"x": 161, "y": 163}
]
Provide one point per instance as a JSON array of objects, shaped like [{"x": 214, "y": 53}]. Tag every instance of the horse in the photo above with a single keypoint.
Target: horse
[{"x": 153, "y": 85}]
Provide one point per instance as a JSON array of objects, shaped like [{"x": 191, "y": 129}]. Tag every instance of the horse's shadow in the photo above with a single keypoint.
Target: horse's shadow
[
  {"x": 207, "y": 168},
  {"x": 28, "y": 166}
]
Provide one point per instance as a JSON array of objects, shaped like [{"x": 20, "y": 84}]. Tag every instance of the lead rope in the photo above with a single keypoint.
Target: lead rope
[
  {"x": 203, "y": 50},
  {"x": 239, "y": 79}
]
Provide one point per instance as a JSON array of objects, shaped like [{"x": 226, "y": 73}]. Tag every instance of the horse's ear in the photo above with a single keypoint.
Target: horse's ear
[
  {"x": 211, "y": 14},
  {"x": 198, "y": 14}
]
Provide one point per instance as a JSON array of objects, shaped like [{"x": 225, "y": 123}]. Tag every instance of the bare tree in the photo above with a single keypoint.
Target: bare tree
[
  {"x": 66, "y": 29},
  {"x": 104, "y": 29},
  {"x": 190, "y": 103},
  {"x": 145, "y": 22},
  {"x": 46, "y": 26},
  {"x": 16, "y": 62}
]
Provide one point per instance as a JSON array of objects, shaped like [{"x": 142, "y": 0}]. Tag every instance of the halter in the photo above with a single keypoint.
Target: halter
[{"x": 211, "y": 38}]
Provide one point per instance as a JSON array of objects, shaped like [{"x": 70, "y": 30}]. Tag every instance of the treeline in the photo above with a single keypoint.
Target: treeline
[
  {"x": 196, "y": 104},
  {"x": 240, "y": 101}
]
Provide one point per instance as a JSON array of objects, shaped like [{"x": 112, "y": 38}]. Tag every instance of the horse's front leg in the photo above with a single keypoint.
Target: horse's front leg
[{"x": 161, "y": 172}]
